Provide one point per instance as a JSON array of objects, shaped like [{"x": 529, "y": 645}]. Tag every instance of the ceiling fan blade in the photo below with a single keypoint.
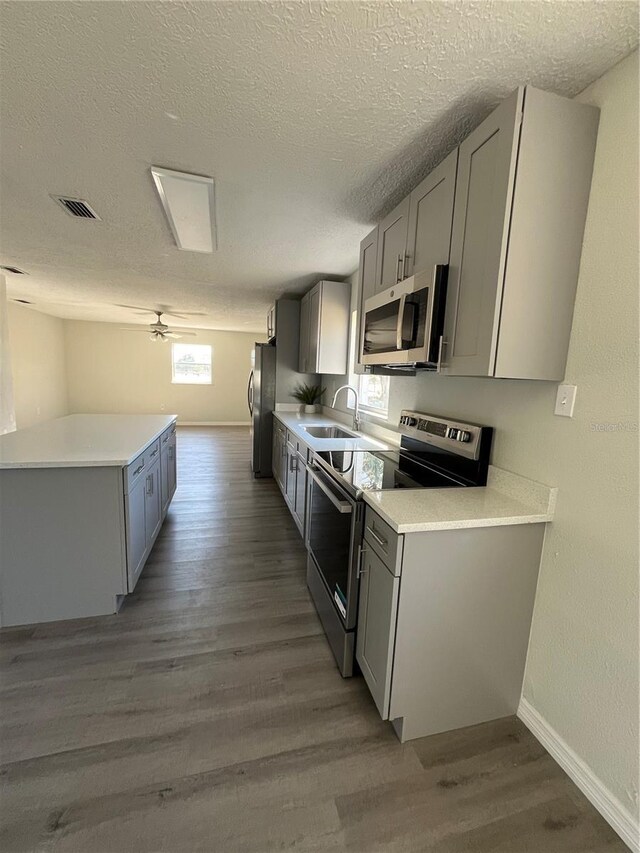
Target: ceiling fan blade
[
  {"x": 140, "y": 329},
  {"x": 135, "y": 308},
  {"x": 185, "y": 315},
  {"x": 181, "y": 334}
]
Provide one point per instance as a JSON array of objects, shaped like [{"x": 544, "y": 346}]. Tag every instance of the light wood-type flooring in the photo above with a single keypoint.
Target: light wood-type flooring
[{"x": 208, "y": 715}]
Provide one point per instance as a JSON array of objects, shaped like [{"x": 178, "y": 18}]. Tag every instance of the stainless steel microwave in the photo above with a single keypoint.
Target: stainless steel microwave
[{"x": 404, "y": 324}]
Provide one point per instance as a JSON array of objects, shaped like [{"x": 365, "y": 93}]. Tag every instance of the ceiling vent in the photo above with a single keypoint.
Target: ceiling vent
[
  {"x": 76, "y": 207},
  {"x": 14, "y": 270}
]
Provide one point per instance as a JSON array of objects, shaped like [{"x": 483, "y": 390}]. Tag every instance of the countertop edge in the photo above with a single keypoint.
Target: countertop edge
[
  {"x": 89, "y": 463},
  {"x": 459, "y": 524}
]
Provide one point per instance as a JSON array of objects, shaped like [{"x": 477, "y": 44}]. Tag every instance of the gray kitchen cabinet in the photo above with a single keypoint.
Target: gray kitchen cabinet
[
  {"x": 377, "y": 608},
  {"x": 366, "y": 286},
  {"x": 167, "y": 467},
  {"x": 290, "y": 474},
  {"x": 279, "y": 453},
  {"x": 431, "y": 218},
  {"x": 392, "y": 244},
  {"x": 271, "y": 322},
  {"x": 290, "y": 456},
  {"x": 324, "y": 328},
  {"x": 521, "y": 199},
  {"x": 303, "y": 358},
  {"x": 135, "y": 530},
  {"x": 313, "y": 333},
  {"x": 443, "y": 622},
  {"x": 300, "y": 492},
  {"x": 173, "y": 465},
  {"x": 152, "y": 504},
  {"x": 143, "y": 506}
]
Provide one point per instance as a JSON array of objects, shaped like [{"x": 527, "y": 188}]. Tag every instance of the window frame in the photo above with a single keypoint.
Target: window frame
[{"x": 187, "y": 381}]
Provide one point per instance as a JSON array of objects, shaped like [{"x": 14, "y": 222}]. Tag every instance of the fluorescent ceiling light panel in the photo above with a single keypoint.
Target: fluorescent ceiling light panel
[{"x": 189, "y": 203}]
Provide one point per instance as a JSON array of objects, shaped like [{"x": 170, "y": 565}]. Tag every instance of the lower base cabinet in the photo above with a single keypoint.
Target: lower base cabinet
[
  {"x": 278, "y": 453},
  {"x": 150, "y": 483},
  {"x": 167, "y": 468},
  {"x": 377, "y": 613},
  {"x": 443, "y": 623},
  {"x": 136, "y": 530},
  {"x": 290, "y": 471}
]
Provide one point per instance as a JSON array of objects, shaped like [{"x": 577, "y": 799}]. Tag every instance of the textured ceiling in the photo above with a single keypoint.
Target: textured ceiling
[{"x": 313, "y": 117}]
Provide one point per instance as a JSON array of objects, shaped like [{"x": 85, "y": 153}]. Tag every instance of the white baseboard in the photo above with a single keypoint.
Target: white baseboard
[
  {"x": 214, "y": 423},
  {"x": 591, "y": 786}
]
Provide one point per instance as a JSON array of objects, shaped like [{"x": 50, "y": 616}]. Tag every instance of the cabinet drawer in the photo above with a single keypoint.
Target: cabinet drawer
[
  {"x": 140, "y": 465},
  {"x": 165, "y": 438},
  {"x": 383, "y": 540}
]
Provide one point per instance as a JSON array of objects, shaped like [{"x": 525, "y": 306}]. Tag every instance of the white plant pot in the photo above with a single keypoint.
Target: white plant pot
[{"x": 309, "y": 409}]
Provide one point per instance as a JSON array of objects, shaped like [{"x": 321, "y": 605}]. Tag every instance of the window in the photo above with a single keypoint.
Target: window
[
  {"x": 373, "y": 390},
  {"x": 191, "y": 364},
  {"x": 374, "y": 394}
]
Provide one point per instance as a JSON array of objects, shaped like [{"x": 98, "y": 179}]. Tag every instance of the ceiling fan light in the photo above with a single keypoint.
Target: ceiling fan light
[{"x": 189, "y": 205}]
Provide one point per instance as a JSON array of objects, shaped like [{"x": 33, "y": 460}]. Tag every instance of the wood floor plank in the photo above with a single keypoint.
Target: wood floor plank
[{"x": 208, "y": 715}]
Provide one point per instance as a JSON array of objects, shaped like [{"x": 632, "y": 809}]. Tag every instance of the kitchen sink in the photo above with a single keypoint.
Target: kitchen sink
[{"x": 328, "y": 432}]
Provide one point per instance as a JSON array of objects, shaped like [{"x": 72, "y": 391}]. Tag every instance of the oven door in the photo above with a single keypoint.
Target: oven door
[
  {"x": 334, "y": 527},
  {"x": 403, "y": 325}
]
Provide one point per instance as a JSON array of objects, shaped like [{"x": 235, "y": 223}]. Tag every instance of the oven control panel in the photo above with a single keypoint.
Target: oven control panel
[{"x": 460, "y": 438}]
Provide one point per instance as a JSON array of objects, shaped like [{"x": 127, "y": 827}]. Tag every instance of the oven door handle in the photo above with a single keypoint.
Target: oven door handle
[{"x": 341, "y": 506}]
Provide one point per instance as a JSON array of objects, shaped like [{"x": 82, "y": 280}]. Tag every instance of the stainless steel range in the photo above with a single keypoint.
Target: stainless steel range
[{"x": 434, "y": 454}]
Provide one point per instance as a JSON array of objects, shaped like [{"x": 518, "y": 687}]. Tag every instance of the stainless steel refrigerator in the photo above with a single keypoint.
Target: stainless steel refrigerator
[{"x": 261, "y": 399}]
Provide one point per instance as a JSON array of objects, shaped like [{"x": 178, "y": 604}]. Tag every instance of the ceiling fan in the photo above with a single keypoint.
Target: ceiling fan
[{"x": 158, "y": 331}]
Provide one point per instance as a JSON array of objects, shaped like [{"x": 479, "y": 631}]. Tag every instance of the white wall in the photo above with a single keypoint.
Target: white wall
[
  {"x": 110, "y": 370},
  {"x": 582, "y": 670},
  {"x": 38, "y": 365}
]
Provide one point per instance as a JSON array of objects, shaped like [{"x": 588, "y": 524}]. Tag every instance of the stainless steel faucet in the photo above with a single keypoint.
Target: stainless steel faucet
[{"x": 356, "y": 411}]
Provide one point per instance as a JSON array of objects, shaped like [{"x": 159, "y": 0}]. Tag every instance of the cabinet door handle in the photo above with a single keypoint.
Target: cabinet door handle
[
  {"x": 399, "y": 272},
  {"x": 154, "y": 453},
  {"x": 138, "y": 469},
  {"x": 293, "y": 464},
  {"x": 149, "y": 484},
  {"x": 382, "y": 542},
  {"x": 361, "y": 570}
]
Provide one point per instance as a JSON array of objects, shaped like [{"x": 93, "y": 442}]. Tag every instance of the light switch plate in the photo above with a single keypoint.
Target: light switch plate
[{"x": 565, "y": 400}]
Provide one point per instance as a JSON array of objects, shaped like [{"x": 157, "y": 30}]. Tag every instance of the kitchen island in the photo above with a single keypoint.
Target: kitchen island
[{"x": 82, "y": 499}]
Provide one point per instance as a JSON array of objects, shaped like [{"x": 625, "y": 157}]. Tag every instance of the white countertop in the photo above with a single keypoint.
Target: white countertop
[
  {"x": 506, "y": 499},
  {"x": 297, "y": 422},
  {"x": 82, "y": 441}
]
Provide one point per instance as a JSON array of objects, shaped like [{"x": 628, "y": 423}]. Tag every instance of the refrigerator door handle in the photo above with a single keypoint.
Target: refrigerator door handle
[{"x": 250, "y": 393}]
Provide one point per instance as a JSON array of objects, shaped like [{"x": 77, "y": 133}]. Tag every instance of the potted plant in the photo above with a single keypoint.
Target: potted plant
[{"x": 308, "y": 395}]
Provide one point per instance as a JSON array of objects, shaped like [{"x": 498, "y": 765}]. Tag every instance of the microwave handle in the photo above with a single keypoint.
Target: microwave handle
[{"x": 403, "y": 302}]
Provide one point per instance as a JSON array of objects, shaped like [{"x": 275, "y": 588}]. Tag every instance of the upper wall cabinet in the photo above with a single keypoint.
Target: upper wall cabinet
[
  {"x": 416, "y": 235},
  {"x": 324, "y": 328},
  {"x": 271, "y": 323},
  {"x": 521, "y": 201},
  {"x": 392, "y": 245},
  {"x": 366, "y": 284},
  {"x": 430, "y": 218}
]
